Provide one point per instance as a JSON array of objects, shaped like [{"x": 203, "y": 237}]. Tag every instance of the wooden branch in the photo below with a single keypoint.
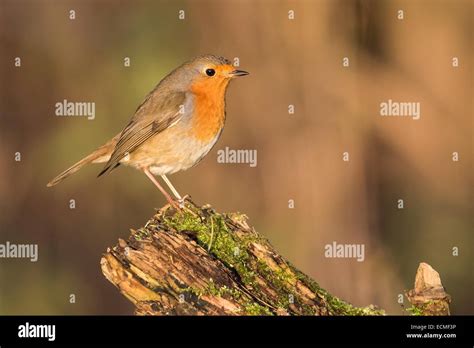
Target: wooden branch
[{"x": 200, "y": 262}]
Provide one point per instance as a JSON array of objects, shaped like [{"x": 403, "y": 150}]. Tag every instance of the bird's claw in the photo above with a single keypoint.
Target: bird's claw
[{"x": 182, "y": 200}]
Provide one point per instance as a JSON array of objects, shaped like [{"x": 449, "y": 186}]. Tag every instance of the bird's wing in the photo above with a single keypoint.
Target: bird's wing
[{"x": 152, "y": 117}]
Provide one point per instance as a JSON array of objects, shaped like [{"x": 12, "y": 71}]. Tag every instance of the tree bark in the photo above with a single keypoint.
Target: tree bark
[
  {"x": 428, "y": 297},
  {"x": 200, "y": 262}
]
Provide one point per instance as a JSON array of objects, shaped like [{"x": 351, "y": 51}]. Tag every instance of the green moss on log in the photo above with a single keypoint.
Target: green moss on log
[{"x": 222, "y": 236}]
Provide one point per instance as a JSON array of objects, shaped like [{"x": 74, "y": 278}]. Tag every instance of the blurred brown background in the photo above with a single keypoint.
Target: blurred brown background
[{"x": 299, "y": 156}]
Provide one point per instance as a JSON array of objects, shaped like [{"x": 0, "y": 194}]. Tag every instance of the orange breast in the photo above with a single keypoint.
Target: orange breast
[{"x": 209, "y": 108}]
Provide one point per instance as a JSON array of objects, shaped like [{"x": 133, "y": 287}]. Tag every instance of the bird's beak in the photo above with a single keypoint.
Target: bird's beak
[{"x": 236, "y": 73}]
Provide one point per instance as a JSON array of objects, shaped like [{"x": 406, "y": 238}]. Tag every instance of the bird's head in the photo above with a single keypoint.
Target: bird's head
[{"x": 206, "y": 74}]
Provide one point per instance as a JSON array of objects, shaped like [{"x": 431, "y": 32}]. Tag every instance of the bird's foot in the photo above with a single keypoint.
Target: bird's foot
[
  {"x": 174, "y": 204},
  {"x": 177, "y": 206},
  {"x": 182, "y": 200}
]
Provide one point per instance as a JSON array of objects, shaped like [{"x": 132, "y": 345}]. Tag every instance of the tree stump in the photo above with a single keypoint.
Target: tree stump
[
  {"x": 428, "y": 297},
  {"x": 199, "y": 262}
]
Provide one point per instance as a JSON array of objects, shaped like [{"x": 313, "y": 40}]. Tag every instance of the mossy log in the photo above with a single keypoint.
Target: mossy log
[{"x": 200, "y": 262}]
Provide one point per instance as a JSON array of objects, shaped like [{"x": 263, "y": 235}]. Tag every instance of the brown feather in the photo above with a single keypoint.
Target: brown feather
[
  {"x": 154, "y": 116},
  {"x": 98, "y": 156}
]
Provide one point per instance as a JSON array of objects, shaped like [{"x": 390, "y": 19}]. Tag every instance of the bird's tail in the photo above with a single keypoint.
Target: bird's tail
[{"x": 102, "y": 154}]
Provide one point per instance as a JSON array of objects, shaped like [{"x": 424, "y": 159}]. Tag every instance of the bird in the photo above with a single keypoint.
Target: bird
[{"x": 175, "y": 126}]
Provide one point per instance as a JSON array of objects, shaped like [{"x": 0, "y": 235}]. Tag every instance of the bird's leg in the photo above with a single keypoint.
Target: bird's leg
[
  {"x": 175, "y": 192},
  {"x": 163, "y": 191},
  {"x": 178, "y": 196}
]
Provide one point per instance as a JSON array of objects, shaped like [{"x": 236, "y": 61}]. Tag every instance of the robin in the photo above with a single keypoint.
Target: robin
[{"x": 176, "y": 125}]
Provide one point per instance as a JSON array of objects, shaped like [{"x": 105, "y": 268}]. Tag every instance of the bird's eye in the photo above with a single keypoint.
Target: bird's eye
[{"x": 210, "y": 72}]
